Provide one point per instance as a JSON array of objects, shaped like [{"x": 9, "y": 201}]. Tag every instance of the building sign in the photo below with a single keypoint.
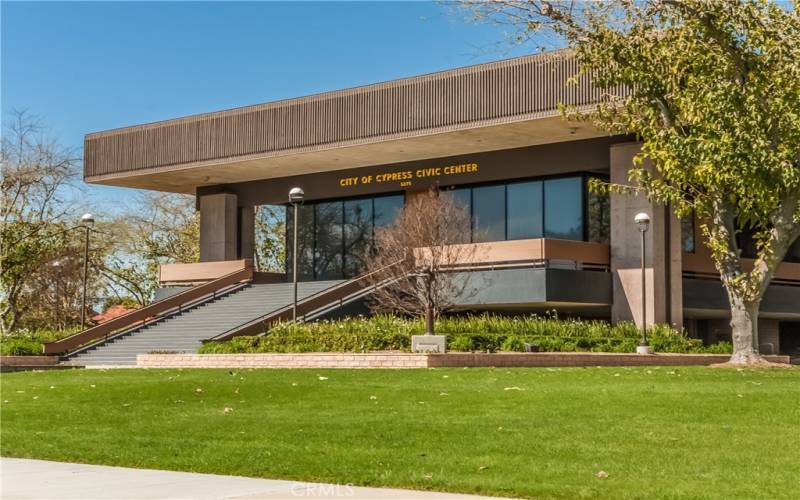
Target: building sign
[{"x": 406, "y": 178}]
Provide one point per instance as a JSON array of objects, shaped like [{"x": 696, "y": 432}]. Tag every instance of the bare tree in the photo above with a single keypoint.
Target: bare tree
[
  {"x": 36, "y": 173},
  {"x": 415, "y": 260},
  {"x": 165, "y": 229}
]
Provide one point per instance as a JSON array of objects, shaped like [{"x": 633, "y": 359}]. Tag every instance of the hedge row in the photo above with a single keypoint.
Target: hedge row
[{"x": 467, "y": 333}]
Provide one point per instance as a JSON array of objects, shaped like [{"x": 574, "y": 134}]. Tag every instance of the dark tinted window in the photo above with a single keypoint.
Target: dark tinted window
[
  {"x": 357, "y": 234},
  {"x": 793, "y": 254},
  {"x": 333, "y": 237},
  {"x": 305, "y": 242},
  {"x": 563, "y": 208},
  {"x": 524, "y": 210},
  {"x": 387, "y": 208},
  {"x": 462, "y": 198},
  {"x": 328, "y": 243},
  {"x": 489, "y": 213},
  {"x": 687, "y": 233},
  {"x": 598, "y": 215}
]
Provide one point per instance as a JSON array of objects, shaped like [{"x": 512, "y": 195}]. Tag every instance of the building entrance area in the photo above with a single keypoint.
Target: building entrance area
[{"x": 334, "y": 234}]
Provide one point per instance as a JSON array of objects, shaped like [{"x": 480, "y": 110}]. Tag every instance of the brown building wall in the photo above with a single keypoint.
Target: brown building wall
[
  {"x": 549, "y": 159},
  {"x": 218, "y": 227},
  {"x": 662, "y": 259}
]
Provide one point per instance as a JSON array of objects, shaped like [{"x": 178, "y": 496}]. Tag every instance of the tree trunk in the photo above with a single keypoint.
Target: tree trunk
[
  {"x": 429, "y": 320},
  {"x": 744, "y": 332}
]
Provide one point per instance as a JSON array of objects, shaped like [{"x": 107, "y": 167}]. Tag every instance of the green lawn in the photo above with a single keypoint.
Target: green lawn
[{"x": 543, "y": 433}]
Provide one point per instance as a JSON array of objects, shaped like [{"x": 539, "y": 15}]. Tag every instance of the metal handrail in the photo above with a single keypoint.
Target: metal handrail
[
  {"x": 140, "y": 316},
  {"x": 260, "y": 324},
  {"x": 155, "y": 319}
]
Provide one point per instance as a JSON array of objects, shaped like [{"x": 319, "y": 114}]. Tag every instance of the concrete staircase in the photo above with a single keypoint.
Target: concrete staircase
[{"x": 184, "y": 332}]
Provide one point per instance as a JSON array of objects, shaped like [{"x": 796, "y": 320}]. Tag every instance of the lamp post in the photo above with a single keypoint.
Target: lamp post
[
  {"x": 87, "y": 221},
  {"x": 296, "y": 196},
  {"x": 642, "y": 220}
]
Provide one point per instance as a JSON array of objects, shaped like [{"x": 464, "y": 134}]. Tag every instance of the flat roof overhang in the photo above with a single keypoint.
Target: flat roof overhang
[
  {"x": 188, "y": 177},
  {"x": 501, "y": 105}
]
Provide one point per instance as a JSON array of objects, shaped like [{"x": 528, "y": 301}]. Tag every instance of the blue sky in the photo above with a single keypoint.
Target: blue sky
[{"x": 84, "y": 67}]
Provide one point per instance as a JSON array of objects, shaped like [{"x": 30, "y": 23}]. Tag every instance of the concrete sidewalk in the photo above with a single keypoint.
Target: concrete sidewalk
[{"x": 42, "y": 480}]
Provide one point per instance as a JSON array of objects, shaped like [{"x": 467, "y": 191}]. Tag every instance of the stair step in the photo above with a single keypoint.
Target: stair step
[{"x": 184, "y": 331}]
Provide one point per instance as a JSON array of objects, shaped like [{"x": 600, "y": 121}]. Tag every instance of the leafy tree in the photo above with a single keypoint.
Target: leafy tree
[
  {"x": 270, "y": 237},
  {"x": 163, "y": 228},
  {"x": 714, "y": 97},
  {"x": 36, "y": 172}
]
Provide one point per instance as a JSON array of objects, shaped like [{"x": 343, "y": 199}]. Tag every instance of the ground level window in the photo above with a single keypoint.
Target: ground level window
[{"x": 334, "y": 236}]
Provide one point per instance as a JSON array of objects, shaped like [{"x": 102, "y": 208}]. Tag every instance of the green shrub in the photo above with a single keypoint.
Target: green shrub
[
  {"x": 20, "y": 347},
  {"x": 513, "y": 344},
  {"x": 24, "y": 342},
  {"x": 480, "y": 333},
  {"x": 460, "y": 343}
]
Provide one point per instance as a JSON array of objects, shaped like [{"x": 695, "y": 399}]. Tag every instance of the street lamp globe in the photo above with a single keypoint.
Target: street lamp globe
[
  {"x": 87, "y": 219},
  {"x": 296, "y": 195},
  {"x": 642, "y": 220}
]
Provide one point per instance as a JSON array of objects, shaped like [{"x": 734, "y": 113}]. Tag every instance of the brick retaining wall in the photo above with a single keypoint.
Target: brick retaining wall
[
  {"x": 281, "y": 360},
  {"x": 29, "y": 360},
  {"x": 408, "y": 360},
  {"x": 510, "y": 359}
]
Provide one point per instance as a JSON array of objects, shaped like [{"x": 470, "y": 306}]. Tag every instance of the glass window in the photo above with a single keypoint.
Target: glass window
[
  {"x": 489, "y": 213},
  {"x": 687, "y": 233},
  {"x": 747, "y": 243},
  {"x": 563, "y": 208},
  {"x": 524, "y": 210},
  {"x": 357, "y": 235},
  {"x": 793, "y": 254},
  {"x": 462, "y": 198},
  {"x": 598, "y": 214},
  {"x": 305, "y": 242},
  {"x": 333, "y": 237},
  {"x": 387, "y": 208},
  {"x": 328, "y": 245},
  {"x": 749, "y": 248}
]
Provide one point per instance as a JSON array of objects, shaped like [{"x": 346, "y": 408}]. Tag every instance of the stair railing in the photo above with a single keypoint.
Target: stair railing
[
  {"x": 140, "y": 317},
  {"x": 337, "y": 294}
]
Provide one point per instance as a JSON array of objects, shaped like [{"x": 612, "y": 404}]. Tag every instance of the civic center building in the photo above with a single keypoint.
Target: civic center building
[{"x": 492, "y": 136}]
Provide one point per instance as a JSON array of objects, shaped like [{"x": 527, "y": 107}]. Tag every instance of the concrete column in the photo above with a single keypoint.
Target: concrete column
[
  {"x": 663, "y": 253},
  {"x": 247, "y": 232},
  {"x": 218, "y": 223}
]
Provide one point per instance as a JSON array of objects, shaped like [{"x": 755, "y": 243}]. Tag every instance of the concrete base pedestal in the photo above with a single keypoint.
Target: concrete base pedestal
[
  {"x": 429, "y": 343},
  {"x": 644, "y": 349}
]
